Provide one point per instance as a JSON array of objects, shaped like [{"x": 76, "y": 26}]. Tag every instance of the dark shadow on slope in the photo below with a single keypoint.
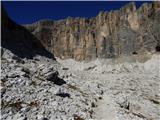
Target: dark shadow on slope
[
  {"x": 59, "y": 81},
  {"x": 19, "y": 40},
  {"x": 158, "y": 48},
  {"x": 63, "y": 95}
]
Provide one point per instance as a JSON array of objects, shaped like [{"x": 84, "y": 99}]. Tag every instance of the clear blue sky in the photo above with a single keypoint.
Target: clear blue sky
[{"x": 28, "y": 12}]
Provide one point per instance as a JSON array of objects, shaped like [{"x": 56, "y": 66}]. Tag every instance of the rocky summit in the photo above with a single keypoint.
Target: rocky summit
[
  {"x": 127, "y": 31},
  {"x": 122, "y": 83}
]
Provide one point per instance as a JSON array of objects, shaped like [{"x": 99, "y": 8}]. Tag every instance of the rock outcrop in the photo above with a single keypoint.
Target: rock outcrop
[
  {"x": 19, "y": 40},
  {"x": 127, "y": 31}
]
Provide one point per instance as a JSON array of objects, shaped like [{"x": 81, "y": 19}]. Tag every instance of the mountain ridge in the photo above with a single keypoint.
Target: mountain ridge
[{"x": 109, "y": 35}]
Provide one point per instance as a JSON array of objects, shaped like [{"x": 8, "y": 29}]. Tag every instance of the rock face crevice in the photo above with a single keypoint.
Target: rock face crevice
[{"x": 110, "y": 34}]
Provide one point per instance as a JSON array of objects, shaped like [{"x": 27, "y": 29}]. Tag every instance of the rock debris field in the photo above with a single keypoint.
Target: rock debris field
[{"x": 45, "y": 89}]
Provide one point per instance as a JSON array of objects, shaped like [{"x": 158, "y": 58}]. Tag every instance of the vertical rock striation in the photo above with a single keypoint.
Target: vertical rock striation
[{"x": 111, "y": 34}]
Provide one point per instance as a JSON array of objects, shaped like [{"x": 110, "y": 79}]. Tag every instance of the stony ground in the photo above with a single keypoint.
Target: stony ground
[{"x": 43, "y": 89}]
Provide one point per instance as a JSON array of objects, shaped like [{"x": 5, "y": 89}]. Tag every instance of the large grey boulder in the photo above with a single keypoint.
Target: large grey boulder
[{"x": 48, "y": 72}]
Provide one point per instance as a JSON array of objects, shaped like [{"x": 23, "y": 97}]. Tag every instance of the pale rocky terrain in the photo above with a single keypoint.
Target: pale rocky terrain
[
  {"x": 36, "y": 85},
  {"x": 44, "y": 89},
  {"x": 131, "y": 89}
]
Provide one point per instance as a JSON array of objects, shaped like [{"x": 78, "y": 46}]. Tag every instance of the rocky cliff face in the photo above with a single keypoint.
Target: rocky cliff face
[
  {"x": 111, "y": 34},
  {"x": 19, "y": 40}
]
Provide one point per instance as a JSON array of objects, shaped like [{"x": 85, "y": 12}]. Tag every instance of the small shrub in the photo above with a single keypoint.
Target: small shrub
[
  {"x": 15, "y": 105},
  {"x": 34, "y": 83},
  {"x": 77, "y": 89},
  {"x": 33, "y": 104}
]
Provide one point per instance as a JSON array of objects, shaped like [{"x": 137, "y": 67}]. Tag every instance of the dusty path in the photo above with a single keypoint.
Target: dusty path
[
  {"x": 105, "y": 109},
  {"x": 130, "y": 90}
]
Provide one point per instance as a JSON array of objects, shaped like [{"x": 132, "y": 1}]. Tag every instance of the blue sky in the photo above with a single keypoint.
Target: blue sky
[{"x": 25, "y": 12}]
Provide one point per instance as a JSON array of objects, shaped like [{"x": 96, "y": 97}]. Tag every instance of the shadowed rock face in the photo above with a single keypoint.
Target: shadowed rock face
[
  {"x": 19, "y": 40},
  {"x": 110, "y": 34}
]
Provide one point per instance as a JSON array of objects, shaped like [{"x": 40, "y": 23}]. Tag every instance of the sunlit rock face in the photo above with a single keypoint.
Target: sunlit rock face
[{"x": 111, "y": 34}]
